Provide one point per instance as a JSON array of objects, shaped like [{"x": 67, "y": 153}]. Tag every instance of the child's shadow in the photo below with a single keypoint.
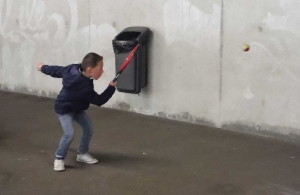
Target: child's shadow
[{"x": 114, "y": 159}]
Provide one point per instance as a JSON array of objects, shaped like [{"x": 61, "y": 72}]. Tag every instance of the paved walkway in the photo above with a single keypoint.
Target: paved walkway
[{"x": 139, "y": 155}]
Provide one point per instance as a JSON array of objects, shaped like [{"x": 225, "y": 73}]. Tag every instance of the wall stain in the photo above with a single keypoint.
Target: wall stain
[
  {"x": 276, "y": 132},
  {"x": 24, "y": 90},
  {"x": 123, "y": 106},
  {"x": 184, "y": 116}
]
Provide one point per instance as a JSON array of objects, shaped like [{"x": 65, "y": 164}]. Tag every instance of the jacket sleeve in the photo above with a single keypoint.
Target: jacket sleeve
[
  {"x": 101, "y": 99},
  {"x": 54, "y": 71}
]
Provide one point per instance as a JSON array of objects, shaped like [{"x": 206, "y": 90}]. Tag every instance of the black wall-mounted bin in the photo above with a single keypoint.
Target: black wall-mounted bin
[{"x": 134, "y": 76}]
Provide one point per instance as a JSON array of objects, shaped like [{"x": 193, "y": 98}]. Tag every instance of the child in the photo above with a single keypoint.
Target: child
[{"x": 72, "y": 101}]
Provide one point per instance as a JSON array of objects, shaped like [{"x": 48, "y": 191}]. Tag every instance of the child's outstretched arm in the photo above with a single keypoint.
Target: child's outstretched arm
[
  {"x": 54, "y": 71},
  {"x": 101, "y": 99}
]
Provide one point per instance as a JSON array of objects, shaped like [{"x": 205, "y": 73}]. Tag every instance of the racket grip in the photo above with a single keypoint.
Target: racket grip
[{"x": 117, "y": 76}]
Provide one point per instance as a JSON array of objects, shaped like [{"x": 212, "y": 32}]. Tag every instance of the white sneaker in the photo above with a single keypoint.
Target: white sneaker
[
  {"x": 86, "y": 158},
  {"x": 59, "y": 165}
]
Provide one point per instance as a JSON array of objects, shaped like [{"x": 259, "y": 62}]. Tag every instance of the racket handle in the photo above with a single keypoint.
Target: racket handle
[{"x": 117, "y": 76}]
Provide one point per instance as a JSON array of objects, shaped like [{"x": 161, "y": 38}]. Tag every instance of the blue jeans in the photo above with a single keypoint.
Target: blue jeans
[{"x": 66, "y": 121}]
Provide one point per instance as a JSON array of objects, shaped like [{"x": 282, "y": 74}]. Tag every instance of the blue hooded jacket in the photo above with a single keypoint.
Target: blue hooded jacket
[{"x": 78, "y": 91}]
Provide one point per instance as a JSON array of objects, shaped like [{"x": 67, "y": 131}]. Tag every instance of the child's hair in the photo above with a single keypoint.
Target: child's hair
[{"x": 90, "y": 60}]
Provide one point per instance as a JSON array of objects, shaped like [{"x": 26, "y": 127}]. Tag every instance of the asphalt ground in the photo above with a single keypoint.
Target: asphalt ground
[{"x": 138, "y": 154}]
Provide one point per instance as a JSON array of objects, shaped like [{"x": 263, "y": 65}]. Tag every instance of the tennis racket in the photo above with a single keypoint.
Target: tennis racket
[{"x": 126, "y": 62}]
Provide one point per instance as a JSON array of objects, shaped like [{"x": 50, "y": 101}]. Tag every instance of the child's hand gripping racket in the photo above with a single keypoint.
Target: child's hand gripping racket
[{"x": 126, "y": 62}]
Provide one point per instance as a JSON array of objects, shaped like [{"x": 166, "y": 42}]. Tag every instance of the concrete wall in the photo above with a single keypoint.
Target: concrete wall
[
  {"x": 260, "y": 88},
  {"x": 197, "y": 69}
]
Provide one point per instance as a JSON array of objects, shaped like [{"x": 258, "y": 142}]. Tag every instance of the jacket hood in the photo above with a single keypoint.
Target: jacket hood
[{"x": 73, "y": 76}]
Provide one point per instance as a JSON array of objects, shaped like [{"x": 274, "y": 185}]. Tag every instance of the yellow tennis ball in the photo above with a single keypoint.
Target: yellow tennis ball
[{"x": 246, "y": 47}]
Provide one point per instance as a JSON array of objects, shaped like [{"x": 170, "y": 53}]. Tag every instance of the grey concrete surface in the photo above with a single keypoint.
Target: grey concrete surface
[{"x": 138, "y": 154}]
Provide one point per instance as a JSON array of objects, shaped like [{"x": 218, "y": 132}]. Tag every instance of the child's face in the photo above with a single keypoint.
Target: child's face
[{"x": 97, "y": 72}]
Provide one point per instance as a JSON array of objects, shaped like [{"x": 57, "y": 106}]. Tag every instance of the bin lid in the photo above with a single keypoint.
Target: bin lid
[{"x": 143, "y": 37}]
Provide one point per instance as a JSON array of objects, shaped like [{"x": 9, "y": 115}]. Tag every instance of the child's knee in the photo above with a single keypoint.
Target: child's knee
[
  {"x": 69, "y": 136},
  {"x": 90, "y": 129}
]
